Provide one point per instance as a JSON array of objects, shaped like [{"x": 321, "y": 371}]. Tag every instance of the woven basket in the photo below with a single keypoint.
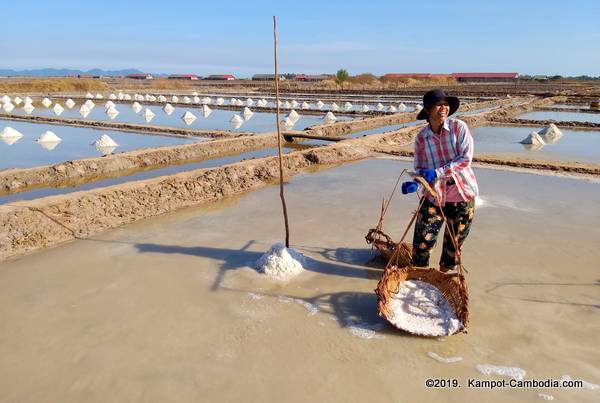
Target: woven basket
[
  {"x": 386, "y": 246},
  {"x": 453, "y": 287}
]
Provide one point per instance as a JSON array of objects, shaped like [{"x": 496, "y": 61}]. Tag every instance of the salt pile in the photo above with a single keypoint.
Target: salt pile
[
  {"x": 112, "y": 112},
  {"x": 84, "y": 111},
  {"x": 58, "y": 109},
  {"x": 294, "y": 116},
  {"x": 120, "y": 96},
  {"x": 401, "y": 107},
  {"x": 392, "y": 108},
  {"x": 105, "y": 141},
  {"x": 365, "y": 108},
  {"x": 206, "y": 100},
  {"x": 127, "y": 97},
  {"x": 533, "y": 138},
  {"x": 174, "y": 98},
  {"x": 46, "y": 102},
  {"x": 148, "y": 115},
  {"x": 148, "y": 97},
  {"x": 287, "y": 123},
  {"x": 281, "y": 263},
  {"x": 136, "y": 107},
  {"x": 237, "y": 119},
  {"x": 8, "y": 107},
  {"x": 17, "y": 100},
  {"x": 89, "y": 95},
  {"x": 334, "y": 106},
  {"x": 196, "y": 100},
  {"x": 9, "y": 132},
  {"x": 294, "y": 103},
  {"x": 233, "y": 101},
  {"x": 70, "y": 103},
  {"x": 418, "y": 108},
  {"x": 329, "y": 117},
  {"x": 287, "y": 105},
  {"x": 195, "y": 93},
  {"x": 247, "y": 113},
  {"x": 168, "y": 108},
  {"x": 220, "y": 101},
  {"x": 5, "y": 99},
  {"x": 249, "y": 102},
  {"x": 511, "y": 372},
  {"x": 162, "y": 98},
  {"x": 188, "y": 117},
  {"x": 112, "y": 96},
  {"x": 348, "y": 106},
  {"x": 48, "y": 137},
  {"x": 187, "y": 100},
  {"x": 550, "y": 133},
  {"x": 89, "y": 104},
  {"x": 109, "y": 104},
  {"x": 28, "y": 108},
  {"x": 99, "y": 96},
  {"x": 380, "y": 106},
  {"x": 305, "y": 105},
  {"x": 206, "y": 111},
  {"x": 320, "y": 104},
  {"x": 28, "y": 100},
  {"x": 544, "y": 395},
  {"x": 420, "y": 308}
]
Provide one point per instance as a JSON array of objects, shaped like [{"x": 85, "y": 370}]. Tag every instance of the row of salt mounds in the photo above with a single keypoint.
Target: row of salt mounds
[
  {"x": 281, "y": 263},
  {"x": 420, "y": 308}
]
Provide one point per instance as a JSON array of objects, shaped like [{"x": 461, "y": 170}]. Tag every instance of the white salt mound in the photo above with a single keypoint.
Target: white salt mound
[
  {"x": 48, "y": 137},
  {"x": 392, "y": 108},
  {"x": 305, "y": 105},
  {"x": 247, "y": 112},
  {"x": 533, "y": 138},
  {"x": 287, "y": 123},
  {"x": 28, "y": 100},
  {"x": 105, "y": 141},
  {"x": 112, "y": 112},
  {"x": 420, "y": 308},
  {"x": 334, "y": 106},
  {"x": 70, "y": 103},
  {"x": 58, "y": 109},
  {"x": 294, "y": 115},
  {"x": 329, "y": 116},
  {"x": 168, "y": 108},
  {"x": 17, "y": 100},
  {"x": 206, "y": 111},
  {"x": 148, "y": 115},
  {"x": 348, "y": 105},
  {"x": 380, "y": 106},
  {"x": 511, "y": 372},
  {"x": 444, "y": 360},
  {"x": 401, "y": 107},
  {"x": 188, "y": 117},
  {"x": 46, "y": 102},
  {"x": 418, "y": 108},
  {"x": 5, "y": 99},
  {"x": 365, "y": 108},
  {"x": 28, "y": 108},
  {"x": 320, "y": 104},
  {"x": 237, "y": 119},
  {"x": 8, "y": 107},
  {"x": 281, "y": 263},
  {"x": 550, "y": 133},
  {"x": 9, "y": 132}
]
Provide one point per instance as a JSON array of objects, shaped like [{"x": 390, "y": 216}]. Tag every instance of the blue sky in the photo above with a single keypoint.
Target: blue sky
[{"x": 204, "y": 37}]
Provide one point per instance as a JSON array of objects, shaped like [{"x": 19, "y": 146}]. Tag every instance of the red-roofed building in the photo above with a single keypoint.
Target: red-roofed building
[
  {"x": 183, "y": 77},
  {"x": 220, "y": 77},
  {"x": 486, "y": 77}
]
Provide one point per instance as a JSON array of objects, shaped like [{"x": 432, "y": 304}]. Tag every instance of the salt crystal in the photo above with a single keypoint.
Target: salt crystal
[
  {"x": 287, "y": 123},
  {"x": 112, "y": 96},
  {"x": 84, "y": 111},
  {"x": 5, "y": 99},
  {"x": 220, "y": 101},
  {"x": 334, "y": 107},
  {"x": 187, "y": 100},
  {"x": 550, "y": 133},
  {"x": 174, "y": 98},
  {"x": 294, "y": 103},
  {"x": 294, "y": 116},
  {"x": 89, "y": 95},
  {"x": 281, "y": 263},
  {"x": 380, "y": 106},
  {"x": 89, "y": 104},
  {"x": 401, "y": 107},
  {"x": 162, "y": 98},
  {"x": 305, "y": 105},
  {"x": 28, "y": 100},
  {"x": 418, "y": 108},
  {"x": 392, "y": 108},
  {"x": 249, "y": 102},
  {"x": 420, "y": 308},
  {"x": 511, "y": 372},
  {"x": 109, "y": 104}
]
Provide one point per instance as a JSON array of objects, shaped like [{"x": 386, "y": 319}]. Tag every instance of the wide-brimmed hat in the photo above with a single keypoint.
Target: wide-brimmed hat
[{"x": 433, "y": 96}]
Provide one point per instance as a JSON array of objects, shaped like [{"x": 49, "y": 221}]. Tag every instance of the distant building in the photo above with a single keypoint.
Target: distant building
[
  {"x": 143, "y": 76},
  {"x": 407, "y": 75},
  {"x": 313, "y": 77},
  {"x": 226, "y": 77},
  {"x": 183, "y": 77},
  {"x": 266, "y": 77},
  {"x": 485, "y": 77}
]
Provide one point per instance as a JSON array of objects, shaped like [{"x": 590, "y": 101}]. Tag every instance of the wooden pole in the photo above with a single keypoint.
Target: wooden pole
[{"x": 281, "y": 195}]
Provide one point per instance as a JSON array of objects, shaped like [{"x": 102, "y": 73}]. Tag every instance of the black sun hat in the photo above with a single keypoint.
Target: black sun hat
[{"x": 433, "y": 96}]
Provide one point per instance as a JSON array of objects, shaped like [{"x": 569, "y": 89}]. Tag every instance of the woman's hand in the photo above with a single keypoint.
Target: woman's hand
[
  {"x": 409, "y": 187},
  {"x": 428, "y": 174}
]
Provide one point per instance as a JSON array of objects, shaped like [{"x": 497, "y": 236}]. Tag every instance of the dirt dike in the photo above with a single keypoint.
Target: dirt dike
[
  {"x": 509, "y": 112},
  {"x": 32, "y": 225},
  {"x": 125, "y": 127},
  {"x": 572, "y": 124},
  {"x": 21, "y": 179}
]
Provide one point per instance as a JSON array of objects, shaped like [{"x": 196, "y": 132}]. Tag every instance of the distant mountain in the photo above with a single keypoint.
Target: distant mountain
[{"x": 67, "y": 72}]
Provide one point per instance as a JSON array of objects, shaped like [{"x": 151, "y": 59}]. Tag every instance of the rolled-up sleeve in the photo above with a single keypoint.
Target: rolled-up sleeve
[{"x": 464, "y": 145}]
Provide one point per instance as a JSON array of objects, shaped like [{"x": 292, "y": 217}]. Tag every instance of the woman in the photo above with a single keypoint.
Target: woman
[{"x": 443, "y": 154}]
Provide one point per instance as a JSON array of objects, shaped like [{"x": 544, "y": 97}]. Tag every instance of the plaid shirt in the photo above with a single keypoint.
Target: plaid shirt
[{"x": 450, "y": 154}]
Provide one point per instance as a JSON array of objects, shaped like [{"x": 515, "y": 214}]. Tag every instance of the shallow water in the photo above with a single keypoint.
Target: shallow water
[
  {"x": 168, "y": 309},
  {"x": 219, "y": 119},
  {"x": 562, "y": 116},
  {"x": 139, "y": 175},
  {"x": 571, "y": 106},
  {"x": 574, "y": 145},
  {"x": 76, "y": 144}
]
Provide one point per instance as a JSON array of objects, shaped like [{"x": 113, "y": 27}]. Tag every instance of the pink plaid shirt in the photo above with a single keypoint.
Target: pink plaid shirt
[{"x": 450, "y": 153}]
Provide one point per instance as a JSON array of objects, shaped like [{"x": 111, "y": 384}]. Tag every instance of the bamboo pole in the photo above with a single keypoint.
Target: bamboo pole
[{"x": 281, "y": 195}]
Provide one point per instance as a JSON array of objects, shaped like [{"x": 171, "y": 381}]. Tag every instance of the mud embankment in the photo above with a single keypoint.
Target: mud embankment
[
  {"x": 21, "y": 179},
  {"x": 36, "y": 224},
  {"x": 125, "y": 127}
]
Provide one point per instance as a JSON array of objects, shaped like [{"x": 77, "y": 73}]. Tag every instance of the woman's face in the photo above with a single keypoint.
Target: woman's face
[{"x": 439, "y": 110}]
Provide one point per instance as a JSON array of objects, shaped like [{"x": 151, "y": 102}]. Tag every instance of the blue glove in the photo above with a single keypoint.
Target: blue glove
[
  {"x": 428, "y": 174},
  {"x": 409, "y": 187}
]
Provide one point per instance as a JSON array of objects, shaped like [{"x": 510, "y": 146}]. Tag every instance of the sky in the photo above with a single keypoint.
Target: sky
[{"x": 369, "y": 36}]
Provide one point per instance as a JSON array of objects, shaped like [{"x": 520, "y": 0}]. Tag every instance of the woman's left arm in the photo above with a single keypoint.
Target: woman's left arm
[{"x": 464, "y": 157}]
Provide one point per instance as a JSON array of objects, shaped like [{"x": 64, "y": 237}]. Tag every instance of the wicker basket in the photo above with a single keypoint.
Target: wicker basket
[
  {"x": 453, "y": 287},
  {"x": 386, "y": 247}
]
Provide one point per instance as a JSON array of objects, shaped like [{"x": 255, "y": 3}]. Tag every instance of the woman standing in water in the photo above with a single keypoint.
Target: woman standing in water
[{"x": 443, "y": 154}]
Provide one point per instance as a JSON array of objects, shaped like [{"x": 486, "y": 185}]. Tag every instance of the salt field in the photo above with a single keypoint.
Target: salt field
[
  {"x": 217, "y": 119},
  {"x": 574, "y": 145},
  {"x": 171, "y": 308},
  {"x": 76, "y": 143},
  {"x": 562, "y": 116},
  {"x": 76, "y": 186}
]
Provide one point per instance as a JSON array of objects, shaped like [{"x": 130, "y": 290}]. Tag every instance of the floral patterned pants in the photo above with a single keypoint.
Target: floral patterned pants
[{"x": 428, "y": 225}]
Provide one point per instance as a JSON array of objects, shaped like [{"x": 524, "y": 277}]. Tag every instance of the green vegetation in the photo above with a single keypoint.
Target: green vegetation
[{"x": 341, "y": 76}]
